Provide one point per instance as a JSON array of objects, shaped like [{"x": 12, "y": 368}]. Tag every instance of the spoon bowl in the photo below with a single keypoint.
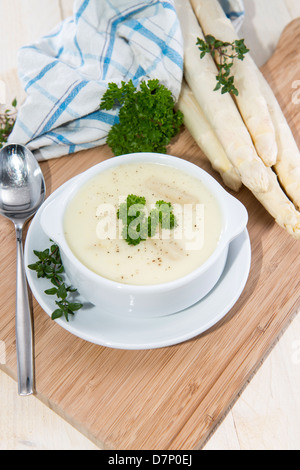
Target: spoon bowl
[
  {"x": 22, "y": 192},
  {"x": 22, "y": 186}
]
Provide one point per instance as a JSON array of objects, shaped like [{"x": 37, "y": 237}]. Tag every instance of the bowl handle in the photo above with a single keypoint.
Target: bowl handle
[
  {"x": 237, "y": 218},
  {"x": 52, "y": 221}
]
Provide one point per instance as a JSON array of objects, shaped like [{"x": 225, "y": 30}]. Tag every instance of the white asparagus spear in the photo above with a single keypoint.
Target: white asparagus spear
[
  {"x": 250, "y": 101},
  {"x": 288, "y": 160},
  {"x": 280, "y": 207},
  {"x": 230, "y": 129},
  {"x": 220, "y": 110},
  {"x": 200, "y": 129},
  {"x": 168, "y": 193}
]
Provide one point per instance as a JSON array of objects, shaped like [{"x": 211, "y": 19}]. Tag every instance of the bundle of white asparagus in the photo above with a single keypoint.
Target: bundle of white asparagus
[{"x": 246, "y": 138}]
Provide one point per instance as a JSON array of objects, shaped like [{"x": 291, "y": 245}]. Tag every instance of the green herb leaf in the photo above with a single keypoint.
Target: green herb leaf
[
  {"x": 226, "y": 53},
  {"x": 52, "y": 291},
  {"x": 74, "y": 306},
  {"x": 7, "y": 122},
  {"x": 166, "y": 215},
  {"x": 49, "y": 265},
  {"x": 136, "y": 225},
  {"x": 58, "y": 313},
  {"x": 62, "y": 292},
  {"x": 147, "y": 120}
]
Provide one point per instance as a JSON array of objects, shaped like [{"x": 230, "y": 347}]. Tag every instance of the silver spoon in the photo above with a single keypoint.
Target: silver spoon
[{"x": 22, "y": 191}]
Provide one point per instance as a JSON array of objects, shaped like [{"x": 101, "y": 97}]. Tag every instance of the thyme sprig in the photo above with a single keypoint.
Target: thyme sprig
[
  {"x": 7, "y": 122},
  {"x": 49, "y": 265},
  {"x": 225, "y": 53}
]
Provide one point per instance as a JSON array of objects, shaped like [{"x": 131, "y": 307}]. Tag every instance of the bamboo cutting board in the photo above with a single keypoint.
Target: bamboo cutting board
[{"x": 173, "y": 397}]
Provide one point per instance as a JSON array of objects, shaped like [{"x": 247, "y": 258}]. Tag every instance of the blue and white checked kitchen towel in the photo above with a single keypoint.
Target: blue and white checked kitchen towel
[
  {"x": 66, "y": 72},
  {"x": 235, "y": 10}
]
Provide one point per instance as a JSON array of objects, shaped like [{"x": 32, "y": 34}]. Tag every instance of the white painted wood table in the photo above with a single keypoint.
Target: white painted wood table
[{"x": 266, "y": 415}]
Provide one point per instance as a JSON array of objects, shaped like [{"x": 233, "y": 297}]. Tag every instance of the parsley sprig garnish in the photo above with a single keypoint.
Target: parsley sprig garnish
[
  {"x": 165, "y": 214},
  {"x": 7, "y": 122},
  {"x": 135, "y": 222},
  {"x": 137, "y": 225},
  {"x": 227, "y": 53},
  {"x": 49, "y": 265},
  {"x": 147, "y": 119}
]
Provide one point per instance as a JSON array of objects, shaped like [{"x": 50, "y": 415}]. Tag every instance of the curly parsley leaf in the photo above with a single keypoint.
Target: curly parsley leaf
[
  {"x": 137, "y": 226},
  {"x": 147, "y": 119},
  {"x": 166, "y": 215}
]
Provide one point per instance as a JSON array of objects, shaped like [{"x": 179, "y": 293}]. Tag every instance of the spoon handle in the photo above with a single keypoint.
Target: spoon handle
[{"x": 24, "y": 335}]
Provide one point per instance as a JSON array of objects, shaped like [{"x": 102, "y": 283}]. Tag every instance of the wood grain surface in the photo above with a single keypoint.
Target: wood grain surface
[{"x": 170, "y": 398}]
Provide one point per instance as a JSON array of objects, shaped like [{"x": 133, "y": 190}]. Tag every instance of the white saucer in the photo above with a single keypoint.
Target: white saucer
[{"x": 98, "y": 327}]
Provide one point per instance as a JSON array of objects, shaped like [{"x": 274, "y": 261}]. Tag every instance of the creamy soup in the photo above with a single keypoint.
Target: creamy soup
[{"x": 95, "y": 234}]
